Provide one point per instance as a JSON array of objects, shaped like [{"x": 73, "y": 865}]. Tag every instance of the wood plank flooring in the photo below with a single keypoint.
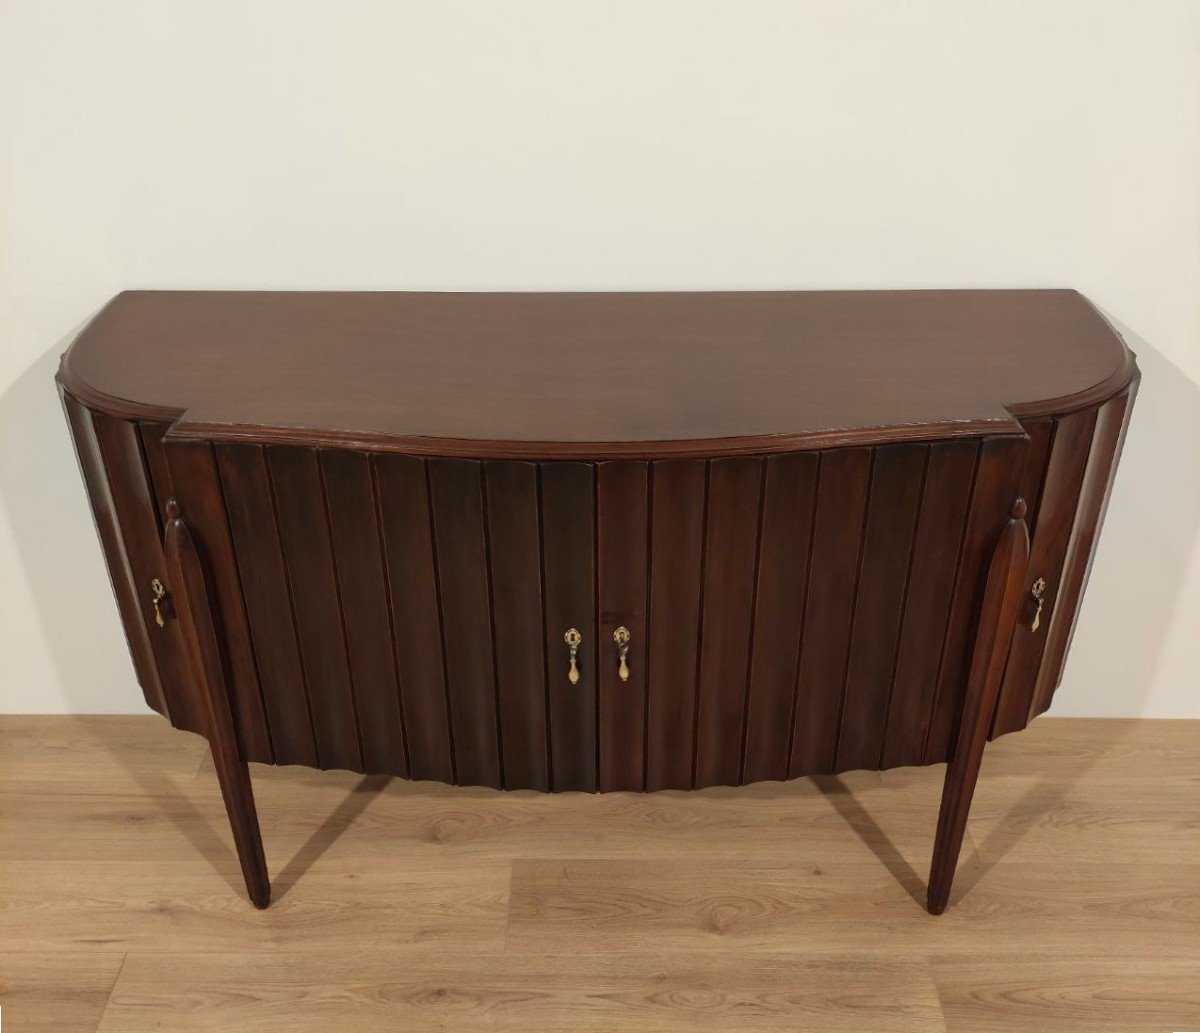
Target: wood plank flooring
[{"x": 410, "y": 906}]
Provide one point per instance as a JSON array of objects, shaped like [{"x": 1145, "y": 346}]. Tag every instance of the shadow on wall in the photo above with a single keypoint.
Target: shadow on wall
[{"x": 1143, "y": 557}]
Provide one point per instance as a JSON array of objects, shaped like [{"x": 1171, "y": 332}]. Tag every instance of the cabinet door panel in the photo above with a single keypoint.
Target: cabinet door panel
[
  {"x": 730, "y": 562},
  {"x": 997, "y": 482},
  {"x": 623, "y": 515},
  {"x": 676, "y": 545},
  {"x": 1069, "y": 448},
  {"x": 879, "y": 605},
  {"x": 568, "y": 555},
  {"x": 842, "y": 486},
  {"x": 940, "y": 525},
  {"x": 514, "y": 538},
  {"x": 456, "y": 487},
  {"x": 252, "y": 526},
  {"x": 358, "y": 562},
  {"x": 406, "y": 519},
  {"x": 308, "y": 557},
  {"x": 788, "y": 509}
]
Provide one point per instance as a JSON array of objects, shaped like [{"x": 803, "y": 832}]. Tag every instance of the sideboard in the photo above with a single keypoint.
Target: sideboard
[{"x": 599, "y": 541}]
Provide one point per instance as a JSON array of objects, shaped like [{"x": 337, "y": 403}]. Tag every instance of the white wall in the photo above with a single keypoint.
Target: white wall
[{"x": 626, "y": 144}]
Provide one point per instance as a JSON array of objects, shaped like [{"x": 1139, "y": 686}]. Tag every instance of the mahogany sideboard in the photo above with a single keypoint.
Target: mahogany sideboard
[{"x": 599, "y": 541}]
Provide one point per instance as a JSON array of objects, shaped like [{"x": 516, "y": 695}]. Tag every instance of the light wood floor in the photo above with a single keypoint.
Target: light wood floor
[{"x": 781, "y": 907}]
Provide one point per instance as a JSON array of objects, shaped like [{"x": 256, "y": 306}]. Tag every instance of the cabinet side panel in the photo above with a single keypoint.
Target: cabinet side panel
[
  {"x": 997, "y": 481},
  {"x": 568, "y": 555},
  {"x": 120, "y": 570},
  {"x": 622, "y": 506},
  {"x": 191, "y": 470},
  {"x": 1111, "y": 423},
  {"x": 730, "y": 562},
  {"x": 676, "y": 544},
  {"x": 514, "y": 538},
  {"x": 1069, "y": 448},
  {"x": 137, "y": 517},
  {"x": 456, "y": 491},
  {"x": 308, "y": 561},
  {"x": 358, "y": 565},
  {"x": 940, "y": 526},
  {"x": 253, "y": 529},
  {"x": 896, "y": 487},
  {"x": 842, "y": 489},
  {"x": 789, "y": 506},
  {"x": 407, "y": 526}
]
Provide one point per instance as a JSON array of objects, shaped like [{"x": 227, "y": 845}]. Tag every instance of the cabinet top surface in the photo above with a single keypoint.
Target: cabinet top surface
[{"x": 594, "y": 375}]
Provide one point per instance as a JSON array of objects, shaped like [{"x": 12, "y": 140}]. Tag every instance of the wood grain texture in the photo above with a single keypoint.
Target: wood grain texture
[
  {"x": 120, "y": 570},
  {"x": 1069, "y": 450},
  {"x": 677, "y": 537},
  {"x": 732, "y": 527},
  {"x": 776, "y": 907},
  {"x": 304, "y": 535},
  {"x": 623, "y": 513},
  {"x": 480, "y": 375},
  {"x": 363, "y": 602},
  {"x": 406, "y": 522},
  {"x": 789, "y": 506},
  {"x": 939, "y": 537},
  {"x": 568, "y": 529},
  {"x": 897, "y": 480},
  {"x": 842, "y": 490},
  {"x": 191, "y": 471},
  {"x": 464, "y": 586},
  {"x": 136, "y": 511},
  {"x": 514, "y": 536}
]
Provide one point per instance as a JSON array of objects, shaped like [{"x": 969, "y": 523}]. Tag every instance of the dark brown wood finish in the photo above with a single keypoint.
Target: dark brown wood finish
[
  {"x": 456, "y": 494},
  {"x": 192, "y": 467},
  {"x": 312, "y": 585},
  {"x": 940, "y": 525},
  {"x": 366, "y": 614},
  {"x": 789, "y": 508},
  {"x": 842, "y": 487},
  {"x": 137, "y": 517},
  {"x": 997, "y": 477},
  {"x": 896, "y": 483},
  {"x": 250, "y": 506},
  {"x": 120, "y": 570},
  {"x": 732, "y": 522},
  {"x": 997, "y": 618},
  {"x": 193, "y": 608},
  {"x": 1070, "y": 445},
  {"x": 407, "y": 533},
  {"x": 514, "y": 535},
  {"x": 568, "y": 556},
  {"x": 622, "y": 506},
  {"x": 814, "y": 548},
  {"x": 677, "y": 542},
  {"x": 1112, "y": 420},
  {"x": 666, "y": 375}
]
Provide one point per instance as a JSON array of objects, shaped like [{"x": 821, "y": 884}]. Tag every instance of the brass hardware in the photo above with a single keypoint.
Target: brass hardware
[
  {"x": 1038, "y": 591},
  {"x": 621, "y": 638},
  {"x": 573, "y": 638},
  {"x": 160, "y": 593}
]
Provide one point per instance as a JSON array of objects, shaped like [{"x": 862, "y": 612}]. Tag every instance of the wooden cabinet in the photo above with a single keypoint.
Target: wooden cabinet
[{"x": 758, "y": 544}]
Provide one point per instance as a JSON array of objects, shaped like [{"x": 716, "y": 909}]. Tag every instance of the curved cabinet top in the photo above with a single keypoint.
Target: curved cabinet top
[{"x": 594, "y": 375}]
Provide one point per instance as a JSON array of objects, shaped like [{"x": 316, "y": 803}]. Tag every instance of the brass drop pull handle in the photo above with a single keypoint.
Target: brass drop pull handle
[
  {"x": 572, "y": 639},
  {"x": 160, "y": 593},
  {"x": 1039, "y": 593},
  {"x": 621, "y": 638}
]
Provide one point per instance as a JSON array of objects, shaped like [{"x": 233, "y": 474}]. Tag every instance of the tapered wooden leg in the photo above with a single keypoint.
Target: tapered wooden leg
[
  {"x": 997, "y": 620},
  {"x": 189, "y": 595}
]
